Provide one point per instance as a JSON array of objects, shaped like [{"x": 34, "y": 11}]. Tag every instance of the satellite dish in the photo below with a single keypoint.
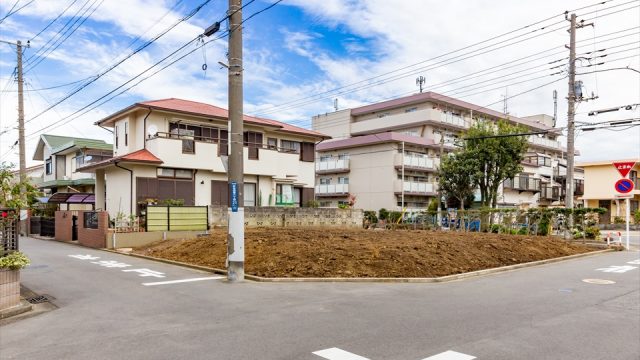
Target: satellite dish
[{"x": 152, "y": 130}]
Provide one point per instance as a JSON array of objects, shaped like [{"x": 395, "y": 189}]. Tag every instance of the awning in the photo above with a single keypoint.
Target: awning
[{"x": 72, "y": 198}]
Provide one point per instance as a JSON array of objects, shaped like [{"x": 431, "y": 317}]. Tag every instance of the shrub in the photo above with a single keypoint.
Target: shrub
[
  {"x": 636, "y": 217},
  {"x": 592, "y": 232},
  {"x": 370, "y": 216},
  {"x": 513, "y": 232},
  {"x": 619, "y": 220},
  {"x": 576, "y": 233},
  {"x": 383, "y": 214},
  {"x": 394, "y": 216},
  {"x": 14, "y": 261},
  {"x": 173, "y": 202},
  {"x": 312, "y": 204},
  {"x": 495, "y": 228},
  {"x": 523, "y": 231}
]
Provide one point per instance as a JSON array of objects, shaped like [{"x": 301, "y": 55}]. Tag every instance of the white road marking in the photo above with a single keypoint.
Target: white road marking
[
  {"x": 85, "y": 257},
  {"x": 634, "y": 262},
  {"x": 450, "y": 355},
  {"x": 111, "y": 264},
  {"x": 617, "y": 268},
  {"x": 182, "y": 281},
  {"x": 146, "y": 272},
  {"x": 338, "y": 354},
  {"x": 599, "y": 281}
]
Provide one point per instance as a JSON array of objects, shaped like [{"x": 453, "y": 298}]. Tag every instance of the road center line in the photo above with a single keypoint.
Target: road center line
[
  {"x": 182, "y": 281},
  {"x": 338, "y": 354},
  {"x": 450, "y": 355}
]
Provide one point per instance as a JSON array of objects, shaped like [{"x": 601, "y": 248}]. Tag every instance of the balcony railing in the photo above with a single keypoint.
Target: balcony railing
[
  {"x": 414, "y": 188},
  {"x": 550, "y": 193},
  {"x": 330, "y": 189},
  {"x": 522, "y": 184},
  {"x": 544, "y": 142},
  {"x": 413, "y": 161},
  {"x": 327, "y": 166}
]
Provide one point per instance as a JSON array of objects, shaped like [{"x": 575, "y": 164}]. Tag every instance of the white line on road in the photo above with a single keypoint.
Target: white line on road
[
  {"x": 182, "y": 281},
  {"x": 338, "y": 354},
  {"x": 450, "y": 355}
]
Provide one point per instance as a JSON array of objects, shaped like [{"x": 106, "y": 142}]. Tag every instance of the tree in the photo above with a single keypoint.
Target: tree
[
  {"x": 13, "y": 193},
  {"x": 453, "y": 177},
  {"x": 497, "y": 157}
]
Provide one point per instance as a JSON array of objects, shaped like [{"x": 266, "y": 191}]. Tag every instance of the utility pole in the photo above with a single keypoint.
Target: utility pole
[
  {"x": 402, "y": 200},
  {"x": 21, "y": 150},
  {"x": 235, "y": 237},
  {"x": 438, "y": 216}
]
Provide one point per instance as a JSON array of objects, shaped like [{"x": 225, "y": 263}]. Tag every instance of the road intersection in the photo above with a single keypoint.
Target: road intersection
[{"x": 107, "y": 309}]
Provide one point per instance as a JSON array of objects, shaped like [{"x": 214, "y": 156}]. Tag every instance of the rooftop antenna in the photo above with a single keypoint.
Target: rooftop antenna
[
  {"x": 505, "y": 103},
  {"x": 420, "y": 80},
  {"x": 555, "y": 107},
  {"x": 335, "y": 104}
]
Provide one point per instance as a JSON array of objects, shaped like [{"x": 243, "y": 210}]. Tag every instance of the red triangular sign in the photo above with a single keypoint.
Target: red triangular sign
[{"x": 624, "y": 167}]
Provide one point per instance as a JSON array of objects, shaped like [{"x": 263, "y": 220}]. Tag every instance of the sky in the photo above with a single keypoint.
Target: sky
[{"x": 301, "y": 55}]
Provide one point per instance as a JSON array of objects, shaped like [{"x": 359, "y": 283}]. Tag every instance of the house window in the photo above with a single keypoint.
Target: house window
[
  {"x": 272, "y": 143},
  {"x": 252, "y": 140},
  {"x": 48, "y": 166},
  {"x": 633, "y": 176},
  {"x": 164, "y": 172},
  {"x": 284, "y": 194},
  {"x": 175, "y": 173},
  {"x": 90, "y": 220},
  {"x": 126, "y": 134},
  {"x": 343, "y": 180},
  {"x": 249, "y": 194},
  {"x": 343, "y": 157},
  {"x": 411, "y": 109},
  {"x": 79, "y": 161},
  {"x": 183, "y": 174},
  {"x": 116, "y": 134},
  {"x": 325, "y": 181},
  {"x": 325, "y": 157},
  {"x": 290, "y": 146}
]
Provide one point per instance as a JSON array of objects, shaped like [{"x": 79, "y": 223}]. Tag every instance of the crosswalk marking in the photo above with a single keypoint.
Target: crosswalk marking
[
  {"x": 450, "y": 355},
  {"x": 338, "y": 354},
  {"x": 182, "y": 281},
  {"x": 617, "y": 268}
]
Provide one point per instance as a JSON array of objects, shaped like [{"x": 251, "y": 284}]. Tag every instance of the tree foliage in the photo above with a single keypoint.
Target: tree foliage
[
  {"x": 453, "y": 177},
  {"x": 13, "y": 193},
  {"x": 496, "y": 157}
]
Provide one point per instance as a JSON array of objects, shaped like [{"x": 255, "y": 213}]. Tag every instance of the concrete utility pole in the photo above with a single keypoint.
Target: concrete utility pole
[
  {"x": 438, "y": 216},
  {"x": 571, "y": 98},
  {"x": 402, "y": 196},
  {"x": 21, "y": 150},
  {"x": 235, "y": 237}
]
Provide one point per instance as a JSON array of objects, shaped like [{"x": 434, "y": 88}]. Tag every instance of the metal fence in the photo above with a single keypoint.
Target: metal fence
[
  {"x": 177, "y": 218},
  {"x": 9, "y": 231}
]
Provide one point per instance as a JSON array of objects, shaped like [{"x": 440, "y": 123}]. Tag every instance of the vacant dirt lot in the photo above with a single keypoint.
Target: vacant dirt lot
[{"x": 365, "y": 253}]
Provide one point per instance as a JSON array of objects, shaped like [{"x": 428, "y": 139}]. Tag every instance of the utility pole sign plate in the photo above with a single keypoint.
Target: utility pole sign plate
[
  {"x": 234, "y": 196},
  {"x": 624, "y": 167},
  {"x": 624, "y": 186}
]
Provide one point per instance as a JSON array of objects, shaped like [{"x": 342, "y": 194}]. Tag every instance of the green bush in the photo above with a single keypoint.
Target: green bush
[
  {"x": 577, "y": 233},
  {"x": 14, "y": 261},
  {"x": 523, "y": 231},
  {"x": 383, "y": 214},
  {"x": 592, "y": 232},
  {"x": 394, "y": 216},
  {"x": 496, "y": 228},
  {"x": 370, "y": 216},
  {"x": 619, "y": 220},
  {"x": 513, "y": 232},
  {"x": 636, "y": 217}
]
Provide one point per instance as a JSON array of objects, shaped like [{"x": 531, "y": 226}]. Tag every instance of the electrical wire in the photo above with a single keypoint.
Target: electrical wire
[
  {"x": 11, "y": 11},
  {"x": 54, "y": 20}
]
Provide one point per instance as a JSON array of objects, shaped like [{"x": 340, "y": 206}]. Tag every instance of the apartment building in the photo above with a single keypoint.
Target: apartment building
[
  {"x": 374, "y": 145},
  {"x": 599, "y": 180},
  {"x": 63, "y": 156},
  {"x": 178, "y": 149}
]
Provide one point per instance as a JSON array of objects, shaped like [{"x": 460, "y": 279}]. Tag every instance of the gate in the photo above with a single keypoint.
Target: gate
[
  {"x": 9, "y": 231},
  {"x": 48, "y": 227}
]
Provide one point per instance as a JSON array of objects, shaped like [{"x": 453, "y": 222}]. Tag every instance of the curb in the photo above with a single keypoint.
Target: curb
[
  {"x": 22, "y": 308},
  {"x": 373, "y": 280}
]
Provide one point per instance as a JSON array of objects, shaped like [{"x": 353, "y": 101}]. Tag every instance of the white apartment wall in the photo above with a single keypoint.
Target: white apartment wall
[{"x": 336, "y": 124}]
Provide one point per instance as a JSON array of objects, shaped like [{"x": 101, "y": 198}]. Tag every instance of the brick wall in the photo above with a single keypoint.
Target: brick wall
[
  {"x": 9, "y": 288},
  {"x": 291, "y": 217},
  {"x": 63, "y": 224},
  {"x": 94, "y": 238}
]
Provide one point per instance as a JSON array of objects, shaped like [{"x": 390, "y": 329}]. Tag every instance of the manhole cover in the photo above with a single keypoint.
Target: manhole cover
[
  {"x": 38, "y": 299},
  {"x": 599, "y": 281}
]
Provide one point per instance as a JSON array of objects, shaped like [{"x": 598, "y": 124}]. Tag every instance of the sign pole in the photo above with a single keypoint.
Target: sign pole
[{"x": 628, "y": 213}]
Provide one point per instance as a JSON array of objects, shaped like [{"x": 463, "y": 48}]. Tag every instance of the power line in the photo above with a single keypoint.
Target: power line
[
  {"x": 54, "y": 20},
  {"x": 56, "y": 86},
  {"x": 11, "y": 11}
]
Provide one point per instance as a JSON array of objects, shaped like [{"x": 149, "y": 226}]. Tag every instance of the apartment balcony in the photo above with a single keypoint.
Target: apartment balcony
[
  {"x": 544, "y": 142},
  {"x": 414, "y": 188},
  {"x": 332, "y": 166},
  {"x": 578, "y": 188},
  {"x": 550, "y": 193},
  {"x": 402, "y": 120},
  {"x": 330, "y": 190},
  {"x": 413, "y": 162},
  {"x": 521, "y": 184}
]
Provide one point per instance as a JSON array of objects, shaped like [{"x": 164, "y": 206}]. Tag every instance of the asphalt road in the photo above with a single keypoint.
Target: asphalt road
[{"x": 542, "y": 312}]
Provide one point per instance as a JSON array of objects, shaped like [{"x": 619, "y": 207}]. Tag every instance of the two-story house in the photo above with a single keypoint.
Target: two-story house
[
  {"x": 387, "y": 154},
  {"x": 175, "y": 149},
  {"x": 62, "y": 157}
]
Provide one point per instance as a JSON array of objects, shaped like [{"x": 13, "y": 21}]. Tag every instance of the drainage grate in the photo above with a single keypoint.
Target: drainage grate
[{"x": 38, "y": 299}]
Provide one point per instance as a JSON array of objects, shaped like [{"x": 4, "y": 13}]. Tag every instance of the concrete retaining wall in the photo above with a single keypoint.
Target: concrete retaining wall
[
  {"x": 291, "y": 217},
  {"x": 127, "y": 240}
]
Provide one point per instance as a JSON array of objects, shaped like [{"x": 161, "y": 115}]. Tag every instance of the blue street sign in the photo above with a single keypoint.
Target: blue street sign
[
  {"x": 624, "y": 186},
  {"x": 233, "y": 188}
]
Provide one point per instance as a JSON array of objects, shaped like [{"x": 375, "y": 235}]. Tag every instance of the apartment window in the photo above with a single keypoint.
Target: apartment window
[
  {"x": 411, "y": 109},
  {"x": 290, "y": 146},
  {"x": 633, "y": 176},
  {"x": 48, "y": 166},
  {"x": 325, "y": 181},
  {"x": 381, "y": 115},
  {"x": 325, "y": 157},
  {"x": 343, "y": 157},
  {"x": 175, "y": 173},
  {"x": 116, "y": 134},
  {"x": 126, "y": 134},
  {"x": 252, "y": 140},
  {"x": 343, "y": 180},
  {"x": 272, "y": 143}
]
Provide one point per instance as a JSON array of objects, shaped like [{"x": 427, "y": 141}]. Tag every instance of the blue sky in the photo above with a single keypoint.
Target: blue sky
[{"x": 304, "y": 47}]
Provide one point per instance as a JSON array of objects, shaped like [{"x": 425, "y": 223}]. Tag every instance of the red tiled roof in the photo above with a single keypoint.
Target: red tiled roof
[
  {"x": 141, "y": 156},
  {"x": 435, "y": 97},
  {"x": 202, "y": 109},
  {"x": 373, "y": 139}
]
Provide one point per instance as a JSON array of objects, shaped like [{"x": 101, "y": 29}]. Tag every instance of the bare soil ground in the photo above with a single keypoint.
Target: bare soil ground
[{"x": 365, "y": 253}]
